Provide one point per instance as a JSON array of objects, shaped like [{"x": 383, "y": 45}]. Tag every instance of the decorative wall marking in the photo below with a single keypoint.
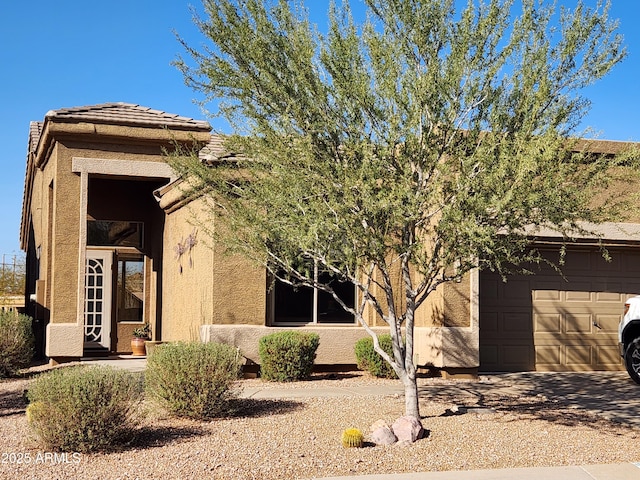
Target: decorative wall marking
[{"x": 185, "y": 246}]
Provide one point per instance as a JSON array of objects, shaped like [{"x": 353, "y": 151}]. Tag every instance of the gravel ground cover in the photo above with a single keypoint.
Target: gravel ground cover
[{"x": 292, "y": 438}]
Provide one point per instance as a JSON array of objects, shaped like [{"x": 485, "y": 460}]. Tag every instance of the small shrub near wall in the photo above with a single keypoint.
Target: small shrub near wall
[
  {"x": 85, "y": 408},
  {"x": 287, "y": 356},
  {"x": 193, "y": 379},
  {"x": 16, "y": 342},
  {"x": 370, "y": 360}
]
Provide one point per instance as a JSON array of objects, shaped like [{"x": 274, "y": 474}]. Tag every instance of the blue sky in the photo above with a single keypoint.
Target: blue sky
[{"x": 75, "y": 52}]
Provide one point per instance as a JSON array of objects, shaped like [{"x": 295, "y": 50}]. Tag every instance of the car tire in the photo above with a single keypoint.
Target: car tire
[{"x": 632, "y": 360}]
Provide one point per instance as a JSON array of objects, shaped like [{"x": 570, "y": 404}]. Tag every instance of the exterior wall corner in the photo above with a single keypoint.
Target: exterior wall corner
[{"x": 64, "y": 340}]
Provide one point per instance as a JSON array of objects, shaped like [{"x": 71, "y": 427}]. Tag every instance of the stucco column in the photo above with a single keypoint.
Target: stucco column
[{"x": 65, "y": 341}]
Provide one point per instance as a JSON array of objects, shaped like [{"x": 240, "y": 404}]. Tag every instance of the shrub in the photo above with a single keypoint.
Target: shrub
[
  {"x": 370, "y": 360},
  {"x": 16, "y": 342},
  {"x": 192, "y": 379},
  {"x": 287, "y": 356},
  {"x": 85, "y": 408}
]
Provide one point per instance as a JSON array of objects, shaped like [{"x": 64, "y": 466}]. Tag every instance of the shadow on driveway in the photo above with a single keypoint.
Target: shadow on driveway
[{"x": 610, "y": 395}]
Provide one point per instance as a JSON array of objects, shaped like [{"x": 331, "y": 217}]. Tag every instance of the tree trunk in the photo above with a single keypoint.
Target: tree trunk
[{"x": 411, "y": 400}]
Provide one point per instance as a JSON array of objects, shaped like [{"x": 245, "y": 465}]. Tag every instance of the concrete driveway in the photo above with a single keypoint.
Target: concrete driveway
[{"x": 612, "y": 395}]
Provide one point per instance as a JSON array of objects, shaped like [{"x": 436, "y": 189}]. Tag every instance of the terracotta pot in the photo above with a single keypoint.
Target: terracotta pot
[{"x": 137, "y": 347}]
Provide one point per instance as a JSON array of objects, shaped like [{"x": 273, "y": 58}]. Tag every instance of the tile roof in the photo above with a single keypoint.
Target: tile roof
[
  {"x": 121, "y": 113},
  {"x": 214, "y": 151},
  {"x": 35, "y": 130}
]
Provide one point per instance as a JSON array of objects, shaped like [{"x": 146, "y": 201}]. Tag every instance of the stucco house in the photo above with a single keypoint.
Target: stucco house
[{"x": 111, "y": 243}]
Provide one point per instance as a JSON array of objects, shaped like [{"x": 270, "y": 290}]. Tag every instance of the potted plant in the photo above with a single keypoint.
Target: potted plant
[{"x": 140, "y": 335}]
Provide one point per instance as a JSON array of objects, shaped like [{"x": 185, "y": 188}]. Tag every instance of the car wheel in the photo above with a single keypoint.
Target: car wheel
[{"x": 632, "y": 360}]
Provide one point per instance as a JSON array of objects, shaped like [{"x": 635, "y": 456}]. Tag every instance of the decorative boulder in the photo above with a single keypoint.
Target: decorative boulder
[
  {"x": 378, "y": 424},
  {"x": 383, "y": 436},
  {"x": 407, "y": 429}
]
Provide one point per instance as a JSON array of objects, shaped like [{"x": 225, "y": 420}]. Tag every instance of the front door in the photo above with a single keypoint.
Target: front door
[{"x": 97, "y": 299}]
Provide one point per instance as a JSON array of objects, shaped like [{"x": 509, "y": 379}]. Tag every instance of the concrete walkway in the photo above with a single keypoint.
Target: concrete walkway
[
  {"x": 128, "y": 362},
  {"x": 609, "y": 394},
  {"x": 625, "y": 471}
]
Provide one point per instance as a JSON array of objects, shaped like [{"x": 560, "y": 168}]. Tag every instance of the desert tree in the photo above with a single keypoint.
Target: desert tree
[{"x": 428, "y": 139}]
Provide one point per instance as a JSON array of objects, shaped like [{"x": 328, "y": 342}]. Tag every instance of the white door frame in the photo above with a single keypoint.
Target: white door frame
[{"x": 97, "y": 297}]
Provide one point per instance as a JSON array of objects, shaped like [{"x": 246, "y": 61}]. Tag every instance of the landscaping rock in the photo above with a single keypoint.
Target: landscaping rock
[
  {"x": 378, "y": 424},
  {"x": 383, "y": 436},
  {"x": 407, "y": 429}
]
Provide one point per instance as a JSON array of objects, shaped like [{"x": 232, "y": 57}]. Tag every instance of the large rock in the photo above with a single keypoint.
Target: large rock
[
  {"x": 407, "y": 429},
  {"x": 378, "y": 424},
  {"x": 383, "y": 436}
]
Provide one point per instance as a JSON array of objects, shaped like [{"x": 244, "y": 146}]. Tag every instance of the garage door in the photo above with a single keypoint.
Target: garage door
[{"x": 545, "y": 322}]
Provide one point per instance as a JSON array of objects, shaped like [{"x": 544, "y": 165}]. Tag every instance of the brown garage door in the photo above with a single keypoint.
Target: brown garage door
[{"x": 548, "y": 323}]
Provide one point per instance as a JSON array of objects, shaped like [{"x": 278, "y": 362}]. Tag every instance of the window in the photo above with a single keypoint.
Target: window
[
  {"x": 114, "y": 233},
  {"x": 305, "y": 305},
  {"x": 130, "y": 289}
]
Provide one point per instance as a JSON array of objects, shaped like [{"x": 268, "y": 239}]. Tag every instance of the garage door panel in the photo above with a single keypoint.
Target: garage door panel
[
  {"x": 547, "y": 323},
  {"x": 578, "y": 323},
  {"x": 516, "y": 322},
  {"x": 578, "y": 355},
  {"x": 490, "y": 290},
  {"x": 517, "y": 290},
  {"x": 489, "y": 356},
  {"x": 631, "y": 264},
  {"x": 548, "y": 355},
  {"x": 546, "y": 292},
  {"x": 607, "y": 357},
  {"x": 611, "y": 267},
  {"x": 580, "y": 293},
  {"x": 573, "y": 320},
  {"x": 575, "y": 260},
  {"x": 608, "y": 324},
  {"x": 489, "y": 322},
  {"x": 618, "y": 296},
  {"x": 517, "y": 356}
]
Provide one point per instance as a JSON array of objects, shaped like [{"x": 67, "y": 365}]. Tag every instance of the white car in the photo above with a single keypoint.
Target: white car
[{"x": 629, "y": 337}]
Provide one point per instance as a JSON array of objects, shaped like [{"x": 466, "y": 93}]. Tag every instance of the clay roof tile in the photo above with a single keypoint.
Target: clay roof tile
[{"x": 127, "y": 114}]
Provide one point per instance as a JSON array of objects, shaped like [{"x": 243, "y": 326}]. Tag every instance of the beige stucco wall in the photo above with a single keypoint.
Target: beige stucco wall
[
  {"x": 62, "y": 340},
  {"x": 336, "y": 343},
  {"x": 211, "y": 296},
  {"x": 205, "y": 285},
  {"x": 65, "y": 241},
  {"x": 446, "y": 333}
]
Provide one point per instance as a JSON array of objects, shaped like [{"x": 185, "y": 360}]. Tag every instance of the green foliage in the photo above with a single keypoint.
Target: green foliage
[
  {"x": 370, "y": 360},
  {"x": 352, "y": 438},
  {"x": 143, "y": 332},
  {"x": 85, "y": 408},
  {"x": 12, "y": 275},
  {"x": 429, "y": 140},
  {"x": 16, "y": 342},
  {"x": 287, "y": 356},
  {"x": 193, "y": 379}
]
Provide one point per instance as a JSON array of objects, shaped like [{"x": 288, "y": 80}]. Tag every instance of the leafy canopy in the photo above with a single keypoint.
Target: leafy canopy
[
  {"x": 428, "y": 136},
  {"x": 400, "y": 152}
]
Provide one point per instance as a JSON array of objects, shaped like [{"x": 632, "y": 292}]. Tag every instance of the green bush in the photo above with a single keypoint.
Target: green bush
[
  {"x": 192, "y": 379},
  {"x": 85, "y": 408},
  {"x": 16, "y": 342},
  {"x": 287, "y": 356},
  {"x": 370, "y": 360}
]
